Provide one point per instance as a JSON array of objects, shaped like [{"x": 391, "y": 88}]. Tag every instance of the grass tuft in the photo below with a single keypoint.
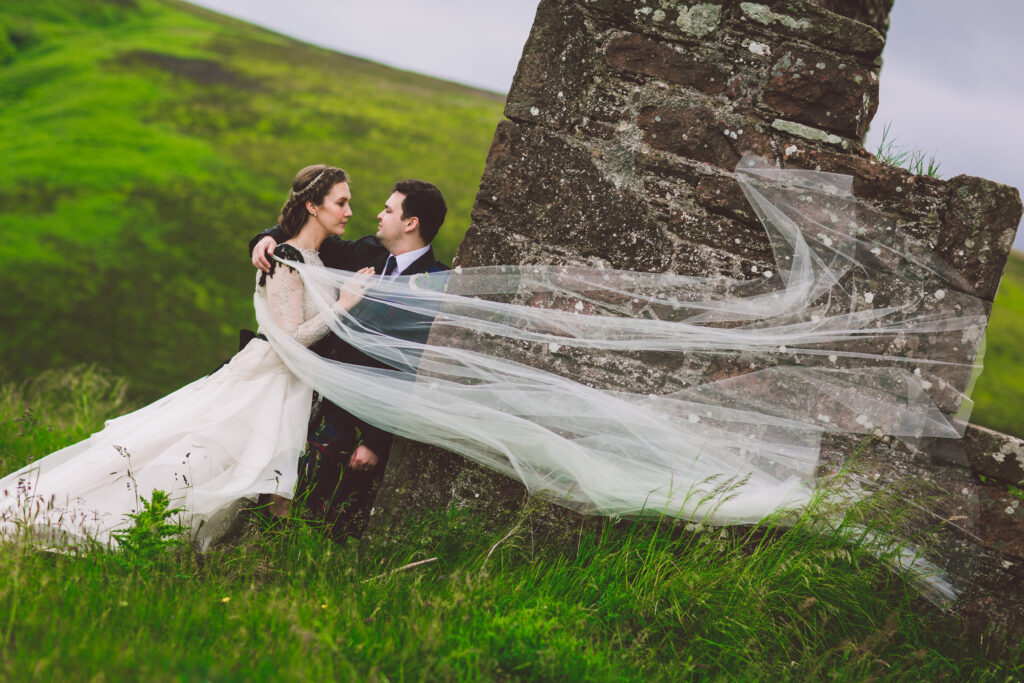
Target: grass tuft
[{"x": 914, "y": 160}]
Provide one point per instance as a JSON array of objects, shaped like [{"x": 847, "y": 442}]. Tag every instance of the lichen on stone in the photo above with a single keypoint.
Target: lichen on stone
[
  {"x": 763, "y": 14},
  {"x": 699, "y": 20},
  {"x": 760, "y": 49},
  {"x": 809, "y": 132}
]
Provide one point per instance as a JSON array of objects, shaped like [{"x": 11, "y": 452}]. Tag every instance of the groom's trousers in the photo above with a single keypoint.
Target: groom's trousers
[{"x": 338, "y": 495}]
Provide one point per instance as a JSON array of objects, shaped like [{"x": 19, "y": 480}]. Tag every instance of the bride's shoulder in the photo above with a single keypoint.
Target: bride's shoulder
[
  {"x": 283, "y": 251},
  {"x": 288, "y": 253}
]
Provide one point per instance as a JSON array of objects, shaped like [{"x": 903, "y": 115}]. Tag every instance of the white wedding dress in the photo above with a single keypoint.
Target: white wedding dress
[{"x": 213, "y": 445}]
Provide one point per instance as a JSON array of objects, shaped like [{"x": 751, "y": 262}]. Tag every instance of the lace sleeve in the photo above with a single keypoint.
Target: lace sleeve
[{"x": 285, "y": 301}]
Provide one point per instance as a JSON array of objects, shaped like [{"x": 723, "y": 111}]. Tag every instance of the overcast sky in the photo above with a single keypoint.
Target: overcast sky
[{"x": 952, "y": 84}]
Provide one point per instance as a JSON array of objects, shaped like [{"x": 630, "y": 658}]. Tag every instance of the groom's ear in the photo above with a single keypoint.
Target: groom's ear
[{"x": 413, "y": 224}]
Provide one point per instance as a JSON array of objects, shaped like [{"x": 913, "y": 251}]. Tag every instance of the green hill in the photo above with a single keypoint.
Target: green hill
[
  {"x": 144, "y": 141},
  {"x": 999, "y": 395}
]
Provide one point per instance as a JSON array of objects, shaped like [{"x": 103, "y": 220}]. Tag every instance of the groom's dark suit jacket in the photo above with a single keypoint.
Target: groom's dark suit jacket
[{"x": 353, "y": 255}]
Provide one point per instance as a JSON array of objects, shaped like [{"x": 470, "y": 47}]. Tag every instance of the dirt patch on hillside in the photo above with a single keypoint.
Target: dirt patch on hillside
[{"x": 197, "y": 70}]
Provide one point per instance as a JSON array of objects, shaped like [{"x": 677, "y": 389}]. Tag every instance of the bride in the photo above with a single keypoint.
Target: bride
[{"x": 217, "y": 443}]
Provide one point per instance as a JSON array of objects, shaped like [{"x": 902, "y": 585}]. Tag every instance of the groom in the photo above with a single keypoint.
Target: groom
[{"x": 340, "y": 443}]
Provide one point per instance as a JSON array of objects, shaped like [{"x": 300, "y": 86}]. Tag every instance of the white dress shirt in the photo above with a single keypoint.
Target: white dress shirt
[{"x": 403, "y": 261}]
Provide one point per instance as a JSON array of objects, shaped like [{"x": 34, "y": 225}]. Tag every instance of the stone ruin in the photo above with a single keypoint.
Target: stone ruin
[{"x": 624, "y": 124}]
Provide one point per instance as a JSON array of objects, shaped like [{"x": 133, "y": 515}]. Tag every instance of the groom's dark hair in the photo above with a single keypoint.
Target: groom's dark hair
[{"x": 424, "y": 201}]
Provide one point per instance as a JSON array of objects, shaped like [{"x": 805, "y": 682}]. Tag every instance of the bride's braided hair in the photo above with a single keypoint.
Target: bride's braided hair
[{"x": 311, "y": 184}]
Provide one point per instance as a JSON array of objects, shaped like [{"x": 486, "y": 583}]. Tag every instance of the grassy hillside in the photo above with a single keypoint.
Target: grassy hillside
[
  {"x": 619, "y": 603},
  {"x": 144, "y": 142},
  {"x": 999, "y": 395}
]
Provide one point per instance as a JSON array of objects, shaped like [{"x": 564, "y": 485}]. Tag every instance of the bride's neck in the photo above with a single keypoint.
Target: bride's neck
[{"x": 310, "y": 236}]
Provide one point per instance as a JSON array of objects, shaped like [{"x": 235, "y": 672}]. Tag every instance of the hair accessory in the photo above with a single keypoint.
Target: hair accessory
[{"x": 311, "y": 184}]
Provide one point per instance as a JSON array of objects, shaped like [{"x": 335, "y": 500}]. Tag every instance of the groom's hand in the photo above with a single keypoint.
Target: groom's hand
[
  {"x": 363, "y": 459},
  {"x": 261, "y": 253}
]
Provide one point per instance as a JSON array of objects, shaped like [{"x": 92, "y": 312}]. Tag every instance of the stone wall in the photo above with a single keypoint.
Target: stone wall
[{"x": 624, "y": 122}]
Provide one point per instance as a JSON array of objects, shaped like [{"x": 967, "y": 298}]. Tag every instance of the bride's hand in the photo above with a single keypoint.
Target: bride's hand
[{"x": 351, "y": 292}]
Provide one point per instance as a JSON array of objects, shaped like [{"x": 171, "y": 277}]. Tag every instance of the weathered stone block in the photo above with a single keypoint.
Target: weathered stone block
[
  {"x": 804, "y": 20},
  {"x": 722, "y": 195},
  {"x": 674, "y": 19},
  {"x": 978, "y": 227},
  {"x": 874, "y": 13},
  {"x": 1001, "y": 522},
  {"x": 802, "y": 133},
  {"x": 440, "y": 473},
  {"x": 698, "y": 133},
  {"x": 636, "y": 54},
  {"x": 872, "y": 179},
  {"x": 556, "y": 70},
  {"x": 824, "y": 90},
  {"x": 994, "y": 455},
  {"x": 563, "y": 199},
  {"x": 980, "y": 539}
]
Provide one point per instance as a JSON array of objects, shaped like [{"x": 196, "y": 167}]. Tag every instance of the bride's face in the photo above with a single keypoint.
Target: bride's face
[{"x": 334, "y": 213}]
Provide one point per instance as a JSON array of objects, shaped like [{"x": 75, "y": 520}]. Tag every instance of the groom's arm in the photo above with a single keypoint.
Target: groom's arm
[
  {"x": 337, "y": 253},
  {"x": 334, "y": 252},
  {"x": 374, "y": 438},
  {"x": 261, "y": 260},
  {"x": 366, "y": 458}
]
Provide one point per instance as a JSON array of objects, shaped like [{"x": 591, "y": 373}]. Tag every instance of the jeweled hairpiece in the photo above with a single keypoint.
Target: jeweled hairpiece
[{"x": 311, "y": 184}]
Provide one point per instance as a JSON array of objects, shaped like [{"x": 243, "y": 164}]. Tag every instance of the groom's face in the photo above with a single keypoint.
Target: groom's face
[{"x": 390, "y": 224}]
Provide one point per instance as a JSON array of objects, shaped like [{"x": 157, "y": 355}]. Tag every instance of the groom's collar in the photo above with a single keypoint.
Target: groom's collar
[{"x": 408, "y": 258}]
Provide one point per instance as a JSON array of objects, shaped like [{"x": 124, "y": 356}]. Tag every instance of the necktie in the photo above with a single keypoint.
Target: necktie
[{"x": 391, "y": 265}]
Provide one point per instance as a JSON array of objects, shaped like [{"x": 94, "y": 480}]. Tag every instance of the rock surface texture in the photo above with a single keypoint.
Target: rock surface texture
[{"x": 623, "y": 126}]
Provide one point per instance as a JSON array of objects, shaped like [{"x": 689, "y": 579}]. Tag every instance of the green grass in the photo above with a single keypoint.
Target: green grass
[
  {"x": 914, "y": 160},
  {"x": 145, "y": 141},
  {"x": 999, "y": 394},
  {"x": 622, "y": 602}
]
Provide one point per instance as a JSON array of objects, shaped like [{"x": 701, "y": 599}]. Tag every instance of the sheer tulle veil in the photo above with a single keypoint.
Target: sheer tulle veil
[{"x": 858, "y": 329}]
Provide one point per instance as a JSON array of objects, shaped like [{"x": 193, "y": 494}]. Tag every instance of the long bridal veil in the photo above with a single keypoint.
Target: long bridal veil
[{"x": 858, "y": 328}]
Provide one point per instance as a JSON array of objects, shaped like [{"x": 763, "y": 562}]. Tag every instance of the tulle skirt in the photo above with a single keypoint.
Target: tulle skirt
[{"x": 213, "y": 446}]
